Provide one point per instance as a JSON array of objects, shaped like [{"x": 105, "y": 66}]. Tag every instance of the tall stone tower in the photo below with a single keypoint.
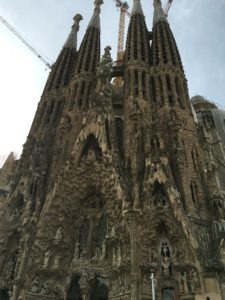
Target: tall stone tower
[{"x": 116, "y": 194}]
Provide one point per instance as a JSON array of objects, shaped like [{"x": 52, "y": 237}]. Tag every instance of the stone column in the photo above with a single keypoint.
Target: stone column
[{"x": 132, "y": 219}]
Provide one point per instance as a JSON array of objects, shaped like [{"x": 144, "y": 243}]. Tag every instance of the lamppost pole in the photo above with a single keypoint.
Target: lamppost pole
[{"x": 153, "y": 285}]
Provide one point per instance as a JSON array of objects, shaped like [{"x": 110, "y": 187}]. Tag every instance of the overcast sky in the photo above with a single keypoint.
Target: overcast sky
[{"x": 198, "y": 26}]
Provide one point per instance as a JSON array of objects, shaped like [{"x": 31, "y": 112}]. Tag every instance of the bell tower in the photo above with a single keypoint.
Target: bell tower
[{"x": 116, "y": 194}]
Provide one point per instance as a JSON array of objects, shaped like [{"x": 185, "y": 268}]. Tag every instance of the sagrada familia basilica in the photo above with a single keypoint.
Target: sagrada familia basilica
[{"x": 119, "y": 192}]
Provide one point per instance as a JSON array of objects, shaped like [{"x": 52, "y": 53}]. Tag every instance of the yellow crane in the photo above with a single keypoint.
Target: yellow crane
[
  {"x": 123, "y": 6},
  {"x": 124, "y": 11}
]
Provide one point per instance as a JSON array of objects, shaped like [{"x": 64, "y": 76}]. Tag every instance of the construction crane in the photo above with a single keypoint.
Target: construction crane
[
  {"x": 13, "y": 30},
  {"x": 166, "y": 10},
  {"x": 123, "y": 12}
]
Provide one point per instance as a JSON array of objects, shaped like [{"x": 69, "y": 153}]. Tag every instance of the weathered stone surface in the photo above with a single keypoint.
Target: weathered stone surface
[{"x": 116, "y": 181}]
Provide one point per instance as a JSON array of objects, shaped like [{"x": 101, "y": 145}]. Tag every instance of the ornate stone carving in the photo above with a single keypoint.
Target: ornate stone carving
[
  {"x": 166, "y": 259},
  {"x": 47, "y": 258}
]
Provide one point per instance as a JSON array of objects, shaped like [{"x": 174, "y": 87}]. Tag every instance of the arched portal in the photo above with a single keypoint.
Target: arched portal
[
  {"x": 99, "y": 289},
  {"x": 74, "y": 292}
]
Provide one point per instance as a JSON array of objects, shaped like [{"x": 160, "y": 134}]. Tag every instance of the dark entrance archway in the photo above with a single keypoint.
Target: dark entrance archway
[
  {"x": 4, "y": 295},
  {"x": 99, "y": 289},
  {"x": 74, "y": 292}
]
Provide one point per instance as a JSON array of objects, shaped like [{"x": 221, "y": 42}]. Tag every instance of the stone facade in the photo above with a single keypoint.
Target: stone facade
[{"x": 117, "y": 189}]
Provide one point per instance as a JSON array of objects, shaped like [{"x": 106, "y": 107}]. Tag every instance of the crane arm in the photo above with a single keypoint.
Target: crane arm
[
  {"x": 13, "y": 30},
  {"x": 166, "y": 10}
]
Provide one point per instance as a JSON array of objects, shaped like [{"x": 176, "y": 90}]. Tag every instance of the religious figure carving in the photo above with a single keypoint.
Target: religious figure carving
[
  {"x": 119, "y": 256},
  {"x": 165, "y": 259},
  {"x": 47, "y": 258},
  {"x": 59, "y": 235},
  {"x": 113, "y": 257},
  {"x": 76, "y": 251},
  {"x": 183, "y": 282},
  {"x": 97, "y": 254},
  {"x": 103, "y": 250},
  {"x": 104, "y": 73},
  {"x": 35, "y": 288},
  {"x": 84, "y": 278}
]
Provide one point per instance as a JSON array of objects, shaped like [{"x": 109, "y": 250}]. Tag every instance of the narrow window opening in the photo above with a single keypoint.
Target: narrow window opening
[
  {"x": 144, "y": 84},
  {"x": 170, "y": 99},
  {"x": 178, "y": 90},
  {"x": 92, "y": 144},
  {"x": 108, "y": 134},
  {"x": 119, "y": 134},
  {"x": 161, "y": 89},
  {"x": 136, "y": 82},
  {"x": 193, "y": 187},
  {"x": 153, "y": 89},
  {"x": 168, "y": 83},
  {"x": 193, "y": 155}
]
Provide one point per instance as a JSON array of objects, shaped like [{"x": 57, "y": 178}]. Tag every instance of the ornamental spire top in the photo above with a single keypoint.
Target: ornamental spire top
[
  {"x": 137, "y": 8},
  {"x": 95, "y": 20},
  {"x": 71, "y": 42},
  {"x": 159, "y": 14}
]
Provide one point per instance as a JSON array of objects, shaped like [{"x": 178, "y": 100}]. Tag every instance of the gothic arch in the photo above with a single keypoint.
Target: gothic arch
[{"x": 91, "y": 144}]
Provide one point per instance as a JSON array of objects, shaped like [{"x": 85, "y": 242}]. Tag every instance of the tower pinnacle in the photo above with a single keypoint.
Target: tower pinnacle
[
  {"x": 137, "y": 8},
  {"x": 159, "y": 14},
  {"x": 72, "y": 38},
  {"x": 95, "y": 21}
]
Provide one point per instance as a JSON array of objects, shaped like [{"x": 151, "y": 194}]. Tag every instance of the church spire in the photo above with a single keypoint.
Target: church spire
[
  {"x": 137, "y": 8},
  {"x": 137, "y": 44},
  {"x": 159, "y": 14},
  {"x": 62, "y": 69},
  {"x": 87, "y": 60},
  {"x": 95, "y": 20},
  {"x": 71, "y": 42}
]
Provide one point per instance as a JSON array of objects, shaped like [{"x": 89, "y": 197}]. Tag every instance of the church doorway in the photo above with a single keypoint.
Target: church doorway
[
  {"x": 168, "y": 294},
  {"x": 99, "y": 290},
  {"x": 4, "y": 295},
  {"x": 74, "y": 292}
]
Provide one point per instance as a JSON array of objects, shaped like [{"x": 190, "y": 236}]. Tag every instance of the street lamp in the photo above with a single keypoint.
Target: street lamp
[{"x": 153, "y": 285}]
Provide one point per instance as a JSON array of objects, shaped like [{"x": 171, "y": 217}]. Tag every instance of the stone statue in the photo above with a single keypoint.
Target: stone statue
[
  {"x": 59, "y": 235},
  {"x": 35, "y": 286},
  {"x": 47, "y": 258},
  {"x": 103, "y": 250},
  {"x": 165, "y": 259},
  {"x": 84, "y": 278},
  {"x": 114, "y": 257},
  {"x": 97, "y": 254},
  {"x": 119, "y": 256},
  {"x": 76, "y": 251},
  {"x": 183, "y": 283},
  {"x": 56, "y": 262},
  {"x": 104, "y": 73}
]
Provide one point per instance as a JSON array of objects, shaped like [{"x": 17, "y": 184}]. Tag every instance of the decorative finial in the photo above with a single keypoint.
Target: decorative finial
[
  {"x": 72, "y": 38},
  {"x": 95, "y": 21},
  {"x": 137, "y": 8},
  {"x": 157, "y": 3},
  {"x": 159, "y": 14},
  {"x": 98, "y": 3},
  {"x": 77, "y": 18}
]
